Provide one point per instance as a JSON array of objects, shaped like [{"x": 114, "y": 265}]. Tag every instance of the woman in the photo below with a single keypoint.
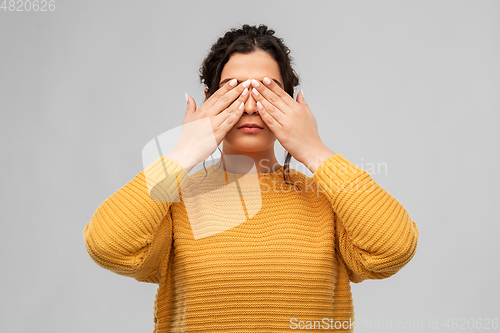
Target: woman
[{"x": 227, "y": 259}]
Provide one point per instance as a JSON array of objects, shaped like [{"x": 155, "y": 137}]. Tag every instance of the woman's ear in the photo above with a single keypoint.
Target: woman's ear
[{"x": 206, "y": 90}]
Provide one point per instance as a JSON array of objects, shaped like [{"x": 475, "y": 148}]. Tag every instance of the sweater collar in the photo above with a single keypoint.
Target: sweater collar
[{"x": 220, "y": 174}]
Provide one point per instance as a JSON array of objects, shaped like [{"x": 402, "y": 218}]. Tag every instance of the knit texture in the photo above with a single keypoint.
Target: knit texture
[{"x": 290, "y": 260}]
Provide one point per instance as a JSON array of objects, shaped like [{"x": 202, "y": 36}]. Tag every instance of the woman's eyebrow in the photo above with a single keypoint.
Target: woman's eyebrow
[{"x": 225, "y": 80}]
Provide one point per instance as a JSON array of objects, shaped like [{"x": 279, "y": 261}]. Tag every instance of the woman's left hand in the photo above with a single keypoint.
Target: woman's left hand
[{"x": 291, "y": 121}]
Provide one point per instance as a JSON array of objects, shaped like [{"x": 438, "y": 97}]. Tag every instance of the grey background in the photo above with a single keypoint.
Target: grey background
[{"x": 412, "y": 84}]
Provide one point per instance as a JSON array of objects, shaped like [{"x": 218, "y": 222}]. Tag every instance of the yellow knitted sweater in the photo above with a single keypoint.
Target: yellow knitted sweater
[{"x": 287, "y": 265}]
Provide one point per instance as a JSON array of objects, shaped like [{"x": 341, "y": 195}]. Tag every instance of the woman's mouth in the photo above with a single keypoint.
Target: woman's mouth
[{"x": 250, "y": 129}]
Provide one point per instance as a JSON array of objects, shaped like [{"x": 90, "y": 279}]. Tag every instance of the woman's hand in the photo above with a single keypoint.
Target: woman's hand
[
  {"x": 292, "y": 122},
  {"x": 223, "y": 110}
]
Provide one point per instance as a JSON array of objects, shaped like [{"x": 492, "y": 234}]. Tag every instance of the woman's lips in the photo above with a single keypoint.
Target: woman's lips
[{"x": 250, "y": 129}]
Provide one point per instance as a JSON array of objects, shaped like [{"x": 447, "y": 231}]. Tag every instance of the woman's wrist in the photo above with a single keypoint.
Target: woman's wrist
[{"x": 180, "y": 156}]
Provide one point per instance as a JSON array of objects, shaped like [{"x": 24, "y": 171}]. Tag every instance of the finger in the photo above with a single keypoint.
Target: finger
[
  {"x": 236, "y": 107},
  {"x": 269, "y": 95},
  {"x": 270, "y": 109},
  {"x": 190, "y": 107},
  {"x": 228, "y": 98},
  {"x": 270, "y": 121},
  {"x": 220, "y": 92},
  {"x": 302, "y": 101},
  {"x": 232, "y": 118},
  {"x": 225, "y": 95},
  {"x": 277, "y": 90}
]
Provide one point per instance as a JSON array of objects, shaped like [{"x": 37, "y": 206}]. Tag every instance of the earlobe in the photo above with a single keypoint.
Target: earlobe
[{"x": 206, "y": 90}]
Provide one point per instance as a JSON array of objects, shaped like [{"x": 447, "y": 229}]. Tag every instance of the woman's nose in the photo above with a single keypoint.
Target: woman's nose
[{"x": 250, "y": 106}]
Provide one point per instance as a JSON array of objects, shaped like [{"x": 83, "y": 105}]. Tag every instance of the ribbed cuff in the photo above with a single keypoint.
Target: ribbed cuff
[
  {"x": 164, "y": 178},
  {"x": 337, "y": 175}
]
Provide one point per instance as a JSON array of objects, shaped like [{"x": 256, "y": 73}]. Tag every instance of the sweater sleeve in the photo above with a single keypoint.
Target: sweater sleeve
[
  {"x": 374, "y": 233},
  {"x": 131, "y": 231}
]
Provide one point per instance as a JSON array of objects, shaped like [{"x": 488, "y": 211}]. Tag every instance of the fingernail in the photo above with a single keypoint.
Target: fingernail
[
  {"x": 302, "y": 92},
  {"x": 246, "y": 83},
  {"x": 233, "y": 82},
  {"x": 259, "y": 105},
  {"x": 255, "y": 83},
  {"x": 255, "y": 92},
  {"x": 241, "y": 105},
  {"x": 186, "y": 95},
  {"x": 244, "y": 92},
  {"x": 266, "y": 80}
]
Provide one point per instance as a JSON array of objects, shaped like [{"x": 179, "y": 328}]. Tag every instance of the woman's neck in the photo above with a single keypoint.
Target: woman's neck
[{"x": 242, "y": 163}]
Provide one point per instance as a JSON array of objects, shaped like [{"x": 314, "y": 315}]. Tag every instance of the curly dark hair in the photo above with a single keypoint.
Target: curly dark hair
[{"x": 244, "y": 40}]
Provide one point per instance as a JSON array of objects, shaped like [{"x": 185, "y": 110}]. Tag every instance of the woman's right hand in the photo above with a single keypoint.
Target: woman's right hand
[{"x": 223, "y": 110}]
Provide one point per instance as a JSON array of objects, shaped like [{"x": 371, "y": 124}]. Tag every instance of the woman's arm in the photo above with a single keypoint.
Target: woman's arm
[
  {"x": 375, "y": 235},
  {"x": 131, "y": 231}
]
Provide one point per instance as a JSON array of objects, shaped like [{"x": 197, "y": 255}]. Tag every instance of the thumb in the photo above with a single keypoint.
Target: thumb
[
  {"x": 191, "y": 106},
  {"x": 300, "y": 98}
]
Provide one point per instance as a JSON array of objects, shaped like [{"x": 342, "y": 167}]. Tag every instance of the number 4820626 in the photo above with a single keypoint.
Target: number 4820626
[{"x": 28, "y": 5}]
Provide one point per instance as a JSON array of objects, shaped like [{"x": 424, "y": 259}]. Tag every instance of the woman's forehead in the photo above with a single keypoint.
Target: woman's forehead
[{"x": 255, "y": 65}]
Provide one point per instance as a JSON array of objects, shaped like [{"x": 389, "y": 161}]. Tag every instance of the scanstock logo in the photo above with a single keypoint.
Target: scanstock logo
[{"x": 215, "y": 202}]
